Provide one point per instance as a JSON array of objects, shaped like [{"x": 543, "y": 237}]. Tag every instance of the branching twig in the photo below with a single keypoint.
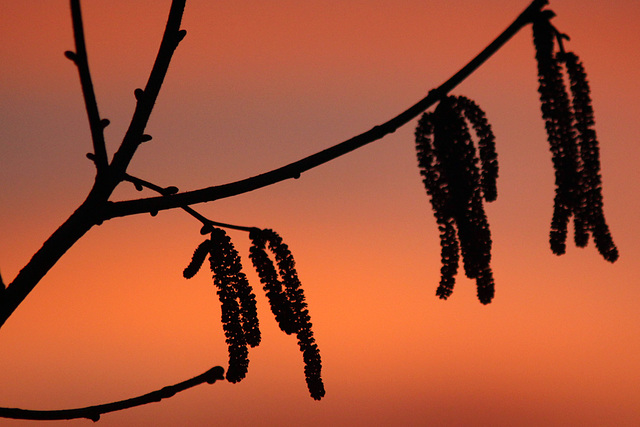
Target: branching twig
[
  {"x": 89, "y": 213},
  {"x": 293, "y": 170},
  {"x": 207, "y": 224},
  {"x": 93, "y": 412}
]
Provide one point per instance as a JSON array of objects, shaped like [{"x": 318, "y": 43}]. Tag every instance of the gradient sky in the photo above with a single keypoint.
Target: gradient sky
[{"x": 255, "y": 85}]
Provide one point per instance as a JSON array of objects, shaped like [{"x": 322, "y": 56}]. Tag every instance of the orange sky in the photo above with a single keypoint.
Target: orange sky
[{"x": 258, "y": 84}]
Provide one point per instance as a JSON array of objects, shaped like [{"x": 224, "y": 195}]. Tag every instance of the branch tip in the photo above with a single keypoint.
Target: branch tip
[
  {"x": 93, "y": 413},
  {"x": 171, "y": 190},
  {"x": 104, "y": 123},
  {"x": 181, "y": 35},
  {"x": 144, "y": 138},
  {"x": 214, "y": 374}
]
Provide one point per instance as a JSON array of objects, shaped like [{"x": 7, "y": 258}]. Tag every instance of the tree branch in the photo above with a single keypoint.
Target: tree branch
[
  {"x": 89, "y": 213},
  {"x": 79, "y": 57},
  {"x": 293, "y": 170},
  {"x": 93, "y": 412}
]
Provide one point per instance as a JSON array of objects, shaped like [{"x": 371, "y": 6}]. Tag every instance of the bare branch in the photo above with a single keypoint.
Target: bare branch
[
  {"x": 89, "y": 213},
  {"x": 93, "y": 412},
  {"x": 295, "y": 169},
  {"x": 79, "y": 57}
]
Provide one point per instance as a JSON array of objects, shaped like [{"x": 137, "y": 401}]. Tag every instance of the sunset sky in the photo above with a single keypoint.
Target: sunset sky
[{"x": 257, "y": 84}]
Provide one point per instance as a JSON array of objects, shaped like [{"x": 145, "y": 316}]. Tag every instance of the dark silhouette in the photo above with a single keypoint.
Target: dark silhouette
[
  {"x": 572, "y": 139},
  {"x": 449, "y": 165},
  {"x": 93, "y": 412}
]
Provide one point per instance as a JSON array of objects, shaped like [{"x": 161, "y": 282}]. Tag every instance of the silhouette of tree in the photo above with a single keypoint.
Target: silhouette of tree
[{"x": 459, "y": 171}]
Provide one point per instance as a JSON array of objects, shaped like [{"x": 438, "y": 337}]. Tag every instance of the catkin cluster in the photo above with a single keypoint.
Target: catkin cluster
[
  {"x": 569, "y": 122},
  {"x": 239, "y": 315},
  {"x": 458, "y": 179},
  {"x": 287, "y": 301}
]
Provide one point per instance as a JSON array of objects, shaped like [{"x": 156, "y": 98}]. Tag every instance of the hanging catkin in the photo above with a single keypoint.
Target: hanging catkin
[
  {"x": 591, "y": 206},
  {"x": 558, "y": 117},
  {"x": 287, "y": 301},
  {"x": 438, "y": 192},
  {"x": 569, "y": 123},
  {"x": 486, "y": 146},
  {"x": 280, "y": 306},
  {"x": 220, "y": 260},
  {"x": 239, "y": 313},
  {"x": 197, "y": 259},
  {"x": 448, "y": 162}
]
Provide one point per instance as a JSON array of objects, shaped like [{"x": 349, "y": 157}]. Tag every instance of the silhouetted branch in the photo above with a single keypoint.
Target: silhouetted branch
[
  {"x": 295, "y": 169},
  {"x": 89, "y": 213},
  {"x": 93, "y": 412},
  {"x": 79, "y": 57}
]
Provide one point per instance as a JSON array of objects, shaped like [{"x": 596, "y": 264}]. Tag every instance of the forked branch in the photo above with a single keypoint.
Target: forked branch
[
  {"x": 89, "y": 213},
  {"x": 207, "y": 224}
]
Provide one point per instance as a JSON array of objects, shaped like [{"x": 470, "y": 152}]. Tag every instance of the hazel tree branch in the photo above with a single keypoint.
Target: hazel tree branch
[
  {"x": 89, "y": 213},
  {"x": 295, "y": 169},
  {"x": 94, "y": 412},
  {"x": 79, "y": 57}
]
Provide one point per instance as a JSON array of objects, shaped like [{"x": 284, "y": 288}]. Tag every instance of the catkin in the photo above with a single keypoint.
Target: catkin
[
  {"x": 591, "y": 206},
  {"x": 280, "y": 306},
  {"x": 556, "y": 111},
  {"x": 486, "y": 146},
  {"x": 239, "y": 314},
  {"x": 438, "y": 191},
  {"x": 199, "y": 255},
  {"x": 287, "y": 301},
  {"x": 457, "y": 185},
  {"x": 569, "y": 123}
]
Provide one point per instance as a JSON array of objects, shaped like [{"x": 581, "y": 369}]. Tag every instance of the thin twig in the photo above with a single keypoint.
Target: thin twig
[
  {"x": 295, "y": 169},
  {"x": 93, "y": 412},
  {"x": 79, "y": 57},
  {"x": 167, "y": 191}
]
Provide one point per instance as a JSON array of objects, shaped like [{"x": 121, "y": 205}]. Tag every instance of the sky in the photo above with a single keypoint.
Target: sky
[{"x": 256, "y": 85}]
